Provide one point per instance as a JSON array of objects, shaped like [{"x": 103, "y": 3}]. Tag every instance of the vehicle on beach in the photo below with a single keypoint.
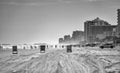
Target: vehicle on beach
[
  {"x": 107, "y": 45},
  {"x": 90, "y": 45},
  {"x": 76, "y": 45}
]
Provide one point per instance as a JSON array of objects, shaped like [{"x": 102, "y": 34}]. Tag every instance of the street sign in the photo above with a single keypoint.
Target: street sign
[
  {"x": 14, "y": 50},
  {"x": 69, "y": 48},
  {"x": 42, "y": 49}
]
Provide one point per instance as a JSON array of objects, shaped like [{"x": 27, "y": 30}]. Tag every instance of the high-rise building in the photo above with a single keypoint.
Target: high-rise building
[
  {"x": 67, "y": 38},
  {"x": 118, "y": 16},
  {"x": 97, "y": 29},
  {"x": 87, "y": 25},
  {"x": 77, "y": 36},
  {"x": 61, "y": 40},
  {"x": 118, "y": 22}
]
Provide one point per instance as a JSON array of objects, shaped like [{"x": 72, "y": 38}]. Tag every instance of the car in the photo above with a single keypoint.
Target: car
[
  {"x": 107, "y": 45},
  {"x": 90, "y": 45},
  {"x": 76, "y": 45}
]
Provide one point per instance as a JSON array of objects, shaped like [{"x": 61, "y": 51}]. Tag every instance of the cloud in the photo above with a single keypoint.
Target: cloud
[
  {"x": 35, "y": 3},
  {"x": 96, "y": 0},
  {"x": 92, "y": 0},
  {"x": 26, "y": 4},
  {"x": 65, "y": 1},
  {"x": 101, "y": 0}
]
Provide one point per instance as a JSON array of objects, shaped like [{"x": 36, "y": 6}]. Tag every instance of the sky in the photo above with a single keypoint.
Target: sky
[{"x": 45, "y": 21}]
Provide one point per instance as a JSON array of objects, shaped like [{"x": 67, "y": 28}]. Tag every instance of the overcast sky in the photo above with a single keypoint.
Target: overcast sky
[{"x": 32, "y": 21}]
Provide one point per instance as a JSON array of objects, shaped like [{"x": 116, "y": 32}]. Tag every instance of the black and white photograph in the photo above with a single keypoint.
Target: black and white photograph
[{"x": 59, "y": 36}]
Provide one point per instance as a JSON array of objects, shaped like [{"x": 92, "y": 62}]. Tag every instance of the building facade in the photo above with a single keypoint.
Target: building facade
[
  {"x": 118, "y": 16},
  {"x": 61, "y": 40},
  {"x": 97, "y": 30},
  {"x": 77, "y": 37},
  {"x": 67, "y": 38},
  {"x": 118, "y": 22}
]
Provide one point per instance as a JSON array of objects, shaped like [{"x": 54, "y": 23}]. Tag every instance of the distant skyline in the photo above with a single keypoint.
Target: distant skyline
[{"x": 44, "y": 21}]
